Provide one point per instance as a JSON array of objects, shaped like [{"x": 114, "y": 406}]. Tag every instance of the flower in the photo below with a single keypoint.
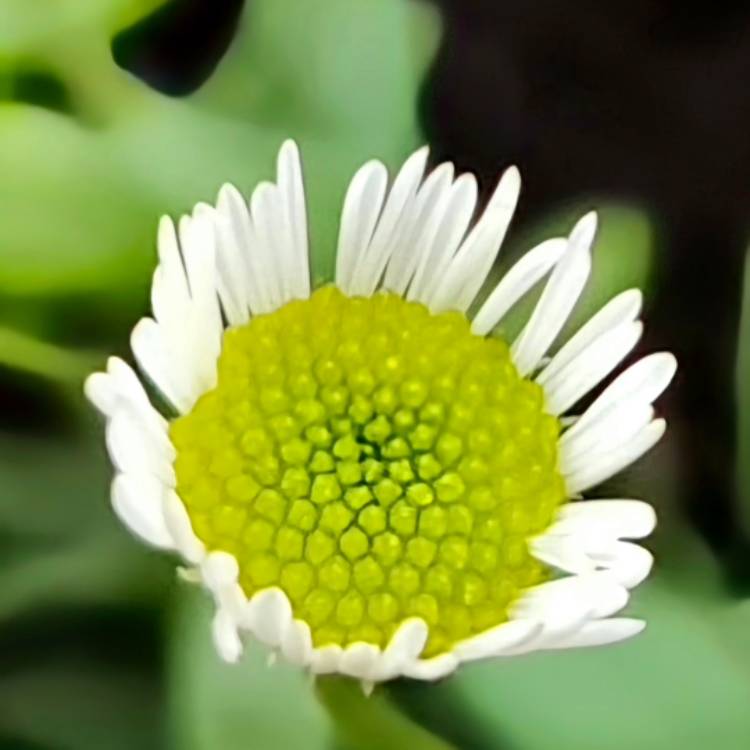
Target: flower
[{"x": 363, "y": 476}]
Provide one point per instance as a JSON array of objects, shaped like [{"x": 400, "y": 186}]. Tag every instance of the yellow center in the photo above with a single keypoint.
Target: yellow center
[{"x": 374, "y": 461}]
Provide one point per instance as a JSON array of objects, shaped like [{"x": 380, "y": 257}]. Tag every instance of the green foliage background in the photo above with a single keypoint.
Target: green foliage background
[{"x": 100, "y": 647}]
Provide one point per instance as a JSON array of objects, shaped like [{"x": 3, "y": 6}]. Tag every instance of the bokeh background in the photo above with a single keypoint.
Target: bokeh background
[{"x": 113, "y": 112}]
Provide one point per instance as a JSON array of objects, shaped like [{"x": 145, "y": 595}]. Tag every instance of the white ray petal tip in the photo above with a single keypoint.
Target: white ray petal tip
[
  {"x": 585, "y": 229},
  {"x": 95, "y": 389},
  {"x": 512, "y": 177}
]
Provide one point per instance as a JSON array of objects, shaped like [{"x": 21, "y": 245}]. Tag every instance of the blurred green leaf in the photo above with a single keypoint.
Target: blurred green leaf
[
  {"x": 80, "y": 194},
  {"x": 235, "y": 707},
  {"x": 63, "y": 544},
  {"x": 68, "y": 701},
  {"x": 27, "y": 353}
]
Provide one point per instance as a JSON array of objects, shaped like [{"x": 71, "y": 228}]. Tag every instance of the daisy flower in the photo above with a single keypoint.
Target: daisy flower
[{"x": 366, "y": 477}]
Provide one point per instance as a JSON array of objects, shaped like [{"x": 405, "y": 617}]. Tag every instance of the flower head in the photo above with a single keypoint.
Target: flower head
[{"x": 366, "y": 478}]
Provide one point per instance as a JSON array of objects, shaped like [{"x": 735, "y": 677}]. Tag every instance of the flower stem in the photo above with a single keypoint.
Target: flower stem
[{"x": 371, "y": 723}]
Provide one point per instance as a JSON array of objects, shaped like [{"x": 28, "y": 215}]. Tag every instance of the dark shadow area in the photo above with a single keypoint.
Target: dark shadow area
[{"x": 176, "y": 48}]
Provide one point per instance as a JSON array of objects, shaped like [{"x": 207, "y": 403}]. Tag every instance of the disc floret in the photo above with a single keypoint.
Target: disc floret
[{"x": 374, "y": 461}]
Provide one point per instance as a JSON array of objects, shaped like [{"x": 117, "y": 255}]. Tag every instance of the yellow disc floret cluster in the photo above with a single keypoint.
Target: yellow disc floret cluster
[{"x": 374, "y": 461}]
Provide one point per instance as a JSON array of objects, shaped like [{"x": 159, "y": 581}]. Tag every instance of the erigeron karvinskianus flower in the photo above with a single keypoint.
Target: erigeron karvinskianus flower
[{"x": 363, "y": 476}]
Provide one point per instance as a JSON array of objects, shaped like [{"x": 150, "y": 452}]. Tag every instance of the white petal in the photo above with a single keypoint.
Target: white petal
[
  {"x": 621, "y": 519},
  {"x": 624, "y": 308},
  {"x": 296, "y": 644},
  {"x": 608, "y": 595},
  {"x": 558, "y": 298},
  {"x": 134, "y": 447},
  {"x": 602, "y": 467},
  {"x": 175, "y": 290},
  {"x": 417, "y": 235},
  {"x": 198, "y": 244},
  {"x": 291, "y": 189},
  {"x": 456, "y": 211},
  {"x": 326, "y": 660},
  {"x": 167, "y": 370},
  {"x": 362, "y": 205},
  {"x": 268, "y": 245},
  {"x": 521, "y": 278},
  {"x": 642, "y": 382},
  {"x": 137, "y": 500},
  {"x": 219, "y": 569},
  {"x": 468, "y": 269},
  {"x": 498, "y": 640},
  {"x": 226, "y": 637},
  {"x": 240, "y": 233},
  {"x": 360, "y": 660},
  {"x": 432, "y": 669},
  {"x": 561, "y": 605},
  {"x": 562, "y": 552},
  {"x": 587, "y": 369},
  {"x": 564, "y": 606},
  {"x": 613, "y": 426},
  {"x": 629, "y": 563},
  {"x": 269, "y": 614},
  {"x": 120, "y": 388},
  {"x": 178, "y": 522},
  {"x": 231, "y": 269},
  {"x": 274, "y": 234},
  {"x": 602, "y": 632},
  {"x": 397, "y": 216},
  {"x": 405, "y": 646}
]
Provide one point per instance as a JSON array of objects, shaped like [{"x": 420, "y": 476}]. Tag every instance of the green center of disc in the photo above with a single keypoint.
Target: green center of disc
[{"x": 374, "y": 461}]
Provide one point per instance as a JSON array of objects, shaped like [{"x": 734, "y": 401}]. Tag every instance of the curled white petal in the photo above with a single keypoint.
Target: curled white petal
[
  {"x": 498, "y": 640},
  {"x": 628, "y": 563},
  {"x": 619, "y": 519},
  {"x": 134, "y": 448},
  {"x": 405, "y": 646},
  {"x": 226, "y": 636},
  {"x": 432, "y": 669},
  {"x": 138, "y": 502},
  {"x": 563, "y": 552},
  {"x": 602, "y": 633},
  {"x": 178, "y": 523},
  {"x": 359, "y": 660},
  {"x": 326, "y": 660},
  {"x": 268, "y": 615},
  {"x": 296, "y": 643}
]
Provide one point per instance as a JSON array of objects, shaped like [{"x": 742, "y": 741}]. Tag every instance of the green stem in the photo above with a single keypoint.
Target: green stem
[
  {"x": 23, "y": 352},
  {"x": 371, "y": 723}
]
